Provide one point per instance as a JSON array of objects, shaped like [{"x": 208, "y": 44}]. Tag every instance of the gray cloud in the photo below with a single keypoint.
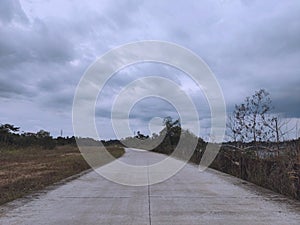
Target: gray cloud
[
  {"x": 13, "y": 90},
  {"x": 12, "y": 10},
  {"x": 45, "y": 47}
]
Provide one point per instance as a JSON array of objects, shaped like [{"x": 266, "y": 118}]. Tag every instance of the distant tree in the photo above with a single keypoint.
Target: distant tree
[
  {"x": 251, "y": 120},
  {"x": 172, "y": 130},
  {"x": 169, "y": 123},
  {"x": 154, "y": 135},
  {"x": 141, "y": 136},
  {"x": 8, "y": 128},
  {"x": 7, "y": 131},
  {"x": 42, "y": 134},
  {"x": 45, "y": 140},
  {"x": 280, "y": 127}
]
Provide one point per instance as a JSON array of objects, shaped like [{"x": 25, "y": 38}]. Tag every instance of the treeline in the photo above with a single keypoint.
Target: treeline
[
  {"x": 168, "y": 139},
  {"x": 10, "y": 137}
]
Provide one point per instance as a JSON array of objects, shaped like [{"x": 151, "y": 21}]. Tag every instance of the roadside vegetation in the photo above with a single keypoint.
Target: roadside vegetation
[
  {"x": 259, "y": 149},
  {"x": 33, "y": 161}
]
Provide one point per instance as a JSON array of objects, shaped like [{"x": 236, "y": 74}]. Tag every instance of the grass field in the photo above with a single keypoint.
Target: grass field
[{"x": 23, "y": 171}]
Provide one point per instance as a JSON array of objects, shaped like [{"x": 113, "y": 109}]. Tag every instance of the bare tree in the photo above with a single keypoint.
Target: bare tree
[
  {"x": 250, "y": 119},
  {"x": 280, "y": 127},
  {"x": 232, "y": 128}
]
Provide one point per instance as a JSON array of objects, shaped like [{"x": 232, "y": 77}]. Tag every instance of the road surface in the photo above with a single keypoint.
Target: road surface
[{"x": 190, "y": 197}]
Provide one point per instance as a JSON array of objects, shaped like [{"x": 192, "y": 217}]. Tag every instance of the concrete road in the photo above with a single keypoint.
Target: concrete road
[{"x": 190, "y": 197}]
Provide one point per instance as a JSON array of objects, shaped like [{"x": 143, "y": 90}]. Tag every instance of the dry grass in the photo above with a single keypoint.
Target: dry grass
[{"x": 25, "y": 170}]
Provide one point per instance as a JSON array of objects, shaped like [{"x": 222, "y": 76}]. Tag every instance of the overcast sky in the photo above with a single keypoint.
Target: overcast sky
[{"x": 46, "y": 46}]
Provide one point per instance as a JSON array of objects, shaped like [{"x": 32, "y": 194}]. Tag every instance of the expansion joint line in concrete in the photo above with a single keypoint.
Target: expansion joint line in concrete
[{"x": 149, "y": 199}]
